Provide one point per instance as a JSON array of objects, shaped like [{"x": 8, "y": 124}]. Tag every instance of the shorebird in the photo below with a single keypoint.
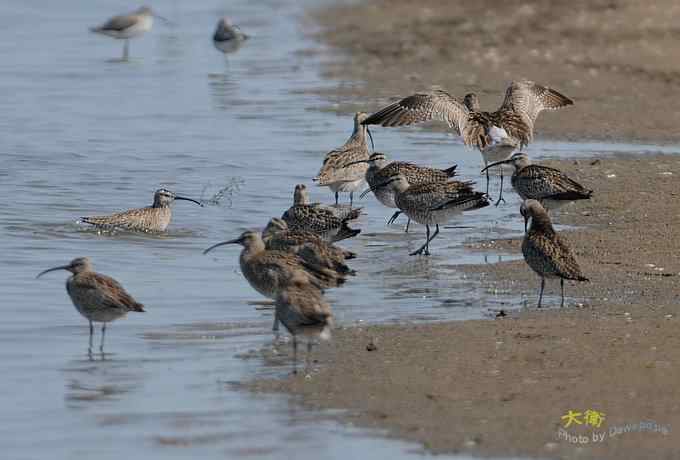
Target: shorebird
[
  {"x": 495, "y": 134},
  {"x": 335, "y": 172},
  {"x": 433, "y": 203},
  {"x": 544, "y": 251},
  {"x": 127, "y": 26},
  {"x": 99, "y": 298},
  {"x": 154, "y": 218},
  {"x": 304, "y": 312},
  {"x": 301, "y": 197},
  {"x": 380, "y": 170},
  {"x": 228, "y": 37},
  {"x": 550, "y": 186},
  {"x": 269, "y": 272},
  {"x": 330, "y": 224},
  {"x": 306, "y": 245}
]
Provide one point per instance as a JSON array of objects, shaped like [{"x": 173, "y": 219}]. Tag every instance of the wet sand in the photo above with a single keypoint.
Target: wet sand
[{"x": 500, "y": 387}]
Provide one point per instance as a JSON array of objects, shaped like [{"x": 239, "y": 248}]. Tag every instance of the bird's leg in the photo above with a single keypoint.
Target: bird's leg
[
  {"x": 500, "y": 196},
  {"x": 351, "y": 199},
  {"x": 126, "y": 49},
  {"x": 391, "y": 220},
  {"x": 336, "y": 198},
  {"x": 562, "y": 286},
  {"x": 540, "y": 296},
  {"x": 408, "y": 223},
  {"x": 487, "y": 179},
  {"x": 308, "y": 357},
  {"x": 422, "y": 248},
  {"x": 89, "y": 349},
  {"x": 101, "y": 345},
  {"x": 294, "y": 354},
  {"x": 436, "y": 232}
]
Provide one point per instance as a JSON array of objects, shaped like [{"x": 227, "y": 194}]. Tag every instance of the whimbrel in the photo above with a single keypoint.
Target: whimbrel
[
  {"x": 127, "y": 26},
  {"x": 433, "y": 203},
  {"x": 306, "y": 245},
  {"x": 228, "y": 37},
  {"x": 550, "y": 186},
  {"x": 304, "y": 312},
  {"x": 301, "y": 197},
  {"x": 154, "y": 218},
  {"x": 269, "y": 272},
  {"x": 99, "y": 298},
  {"x": 495, "y": 134},
  {"x": 380, "y": 170},
  {"x": 329, "y": 224},
  {"x": 544, "y": 251},
  {"x": 335, "y": 172}
]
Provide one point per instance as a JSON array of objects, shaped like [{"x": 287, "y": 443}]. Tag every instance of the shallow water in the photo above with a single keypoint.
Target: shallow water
[{"x": 84, "y": 134}]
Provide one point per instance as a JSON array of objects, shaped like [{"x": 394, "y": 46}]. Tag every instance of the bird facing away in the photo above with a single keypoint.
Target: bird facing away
[
  {"x": 228, "y": 37},
  {"x": 434, "y": 203},
  {"x": 329, "y": 224},
  {"x": 544, "y": 251},
  {"x": 335, "y": 172},
  {"x": 269, "y": 272},
  {"x": 151, "y": 219},
  {"x": 301, "y": 197},
  {"x": 127, "y": 26},
  {"x": 495, "y": 134},
  {"x": 99, "y": 298},
  {"x": 380, "y": 170},
  {"x": 550, "y": 186},
  {"x": 304, "y": 312}
]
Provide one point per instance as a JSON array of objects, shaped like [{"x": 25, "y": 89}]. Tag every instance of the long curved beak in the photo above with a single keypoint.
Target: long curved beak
[
  {"x": 495, "y": 164},
  {"x": 373, "y": 189},
  {"x": 61, "y": 267},
  {"x": 188, "y": 199},
  {"x": 223, "y": 243}
]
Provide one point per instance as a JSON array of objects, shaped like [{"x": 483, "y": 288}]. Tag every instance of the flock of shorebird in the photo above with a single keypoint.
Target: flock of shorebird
[{"x": 295, "y": 259}]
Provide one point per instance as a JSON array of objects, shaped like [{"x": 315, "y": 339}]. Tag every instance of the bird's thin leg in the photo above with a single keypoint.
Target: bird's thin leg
[
  {"x": 540, "y": 296},
  {"x": 562, "y": 286},
  {"x": 351, "y": 199},
  {"x": 294, "y": 354},
  {"x": 487, "y": 178},
  {"x": 436, "y": 232},
  {"x": 126, "y": 49},
  {"x": 101, "y": 345},
  {"x": 89, "y": 349},
  {"x": 308, "y": 357},
  {"x": 336, "y": 198},
  {"x": 391, "y": 220},
  {"x": 500, "y": 196},
  {"x": 408, "y": 223},
  {"x": 422, "y": 248}
]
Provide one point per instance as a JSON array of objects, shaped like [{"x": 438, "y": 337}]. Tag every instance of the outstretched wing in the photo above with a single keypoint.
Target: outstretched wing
[
  {"x": 528, "y": 99},
  {"x": 437, "y": 105}
]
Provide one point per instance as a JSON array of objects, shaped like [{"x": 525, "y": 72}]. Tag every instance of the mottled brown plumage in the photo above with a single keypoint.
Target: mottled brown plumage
[
  {"x": 97, "y": 297},
  {"x": 154, "y": 218},
  {"x": 544, "y": 251}
]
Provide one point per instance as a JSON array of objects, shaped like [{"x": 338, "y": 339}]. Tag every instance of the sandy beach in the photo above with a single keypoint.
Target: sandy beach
[{"x": 501, "y": 387}]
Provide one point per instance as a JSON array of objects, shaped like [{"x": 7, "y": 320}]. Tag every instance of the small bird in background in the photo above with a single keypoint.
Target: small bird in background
[
  {"x": 544, "y": 251},
  {"x": 99, "y": 298},
  {"x": 228, "y": 37}
]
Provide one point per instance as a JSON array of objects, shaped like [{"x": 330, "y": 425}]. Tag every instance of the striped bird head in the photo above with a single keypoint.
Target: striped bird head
[
  {"x": 274, "y": 226},
  {"x": 77, "y": 265},
  {"x": 163, "y": 198},
  {"x": 250, "y": 240}
]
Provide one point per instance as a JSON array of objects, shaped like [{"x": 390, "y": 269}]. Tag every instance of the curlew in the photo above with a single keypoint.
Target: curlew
[
  {"x": 550, "y": 186},
  {"x": 228, "y": 37},
  {"x": 434, "y": 203},
  {"x": 544, "y": 251},
  {"x": 153, "y": 219},
  {"x": 269, "y": 272},
  {"x": 331, "y": 224},
  {"x": 127, "y": 26},
  {"x": 495, "y": 134},
  {"x": 380, "y": 170},
  {"x": 335, "y": 172},
  {"x": 304, "y": 312},
  {"x": 99, "y": 298}
]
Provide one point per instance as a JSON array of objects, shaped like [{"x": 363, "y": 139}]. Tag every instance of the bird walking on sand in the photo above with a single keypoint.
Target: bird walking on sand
[
  {"x": 304, "y": 312},
  {"x": 152, "y": 219},
  {"x": 99, "y": 298},
  {"x": 495, "y": 134},
  {"x": 307, "y": 245},
  {"x": 127, "y": 26},
  {"x": 380, "y": 170},
  {"x": 550, "y": 186},
  {"x": 544, "y": 251},
  {"x": 228, "y": 37},
  {"x": 331, "y": 224},
  {"x": 433, "y": 203},
  {"x": 269, "y": 272},
  {"x": 336, "y": 172}
]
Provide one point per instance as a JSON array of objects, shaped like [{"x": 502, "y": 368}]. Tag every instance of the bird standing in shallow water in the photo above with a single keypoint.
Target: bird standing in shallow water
[
  {"x": 550, "y": 186},
  {"x": 544, "y": 251},
  {"x": 99, "y": 298},
  {"x": 228, "y": 37},
  {"x": 154, "y": 218},
  {"x": 127, "y": 26}
]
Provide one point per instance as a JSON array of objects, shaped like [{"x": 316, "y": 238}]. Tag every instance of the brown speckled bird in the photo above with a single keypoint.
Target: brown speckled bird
[
  {"x": 331, "y": 224},
  {"x": 152, "y": 219},
  {"x": 434, "y": 203},
  {"x": 550, "y": 186},
  {"x": 304, "y": 312},
  {"x": 97, "y": 297},
  {"x": 495, "y": 134},
  {"x": 335, "y": 172},
  {"x": 544, "y": 251},
  {"x": 269, "y": 272},
  {"x": 380, "y": 170}
]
